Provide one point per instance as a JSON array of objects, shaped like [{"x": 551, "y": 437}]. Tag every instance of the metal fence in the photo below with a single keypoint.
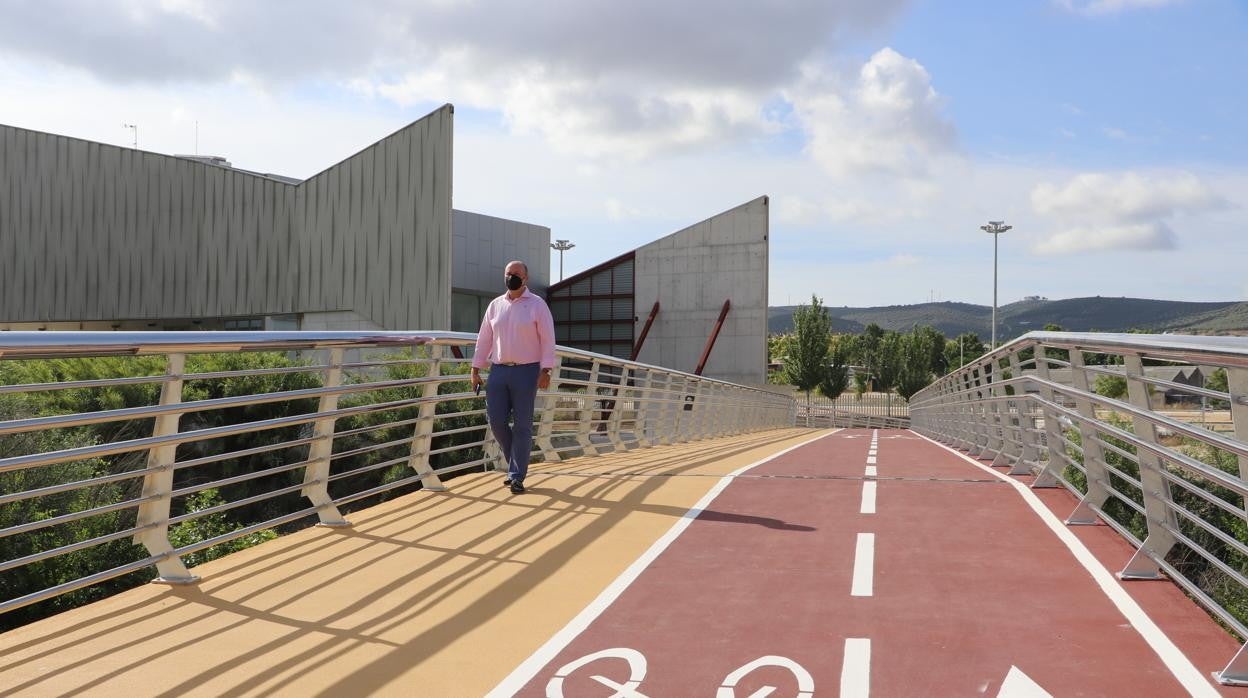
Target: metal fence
[
  {"x": 1176, "y": 491},
  {"x": 411, "y": 389}
]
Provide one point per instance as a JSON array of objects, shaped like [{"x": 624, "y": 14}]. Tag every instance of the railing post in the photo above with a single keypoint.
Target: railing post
[
  {"x": 1154, "y": 487},
  {"x": 644, "y": 420},
  {"x": 545, "y": 436},
  {"x": 1093, "y": 455},
  {"x": 584, "y": 422},
  {"x": 616, "y": 424},
  {"x": 992, "y": 416},
  {"x": 665, "y": 426},
  {"x": 423, "y": 443},
  {"x": 1017, "y": 453},
  {"x": 1047, "y": 477},
  {"x": 159, "y": 483},
  {"x": 1237, "y": 386},
  {"x": 316, "y": 473}
]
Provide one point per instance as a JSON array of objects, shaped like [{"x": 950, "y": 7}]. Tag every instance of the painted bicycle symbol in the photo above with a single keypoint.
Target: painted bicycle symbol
[{"x": 637, "y": 673}]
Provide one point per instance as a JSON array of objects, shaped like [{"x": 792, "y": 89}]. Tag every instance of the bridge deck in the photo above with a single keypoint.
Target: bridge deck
[{"x": 929, "y": 575}]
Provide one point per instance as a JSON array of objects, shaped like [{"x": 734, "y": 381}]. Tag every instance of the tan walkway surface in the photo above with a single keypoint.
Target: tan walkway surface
[{"x": 431, "y": 594}]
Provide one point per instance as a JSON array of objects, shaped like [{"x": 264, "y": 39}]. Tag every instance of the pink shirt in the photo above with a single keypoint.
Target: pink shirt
[{"x": 518, "y": 331}]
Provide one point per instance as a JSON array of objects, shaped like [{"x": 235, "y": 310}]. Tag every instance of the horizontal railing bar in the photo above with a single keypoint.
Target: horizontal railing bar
[
  {"x": 66, "y": 587},
  {"x": 79, "y": 484},
  {"x": 72, "y": 547},
  {"x": 93, "y": 383},
  {"x": 229, "y": 455},
  {"x": 248, "y": 530},
  {"x": 253, "y": 475},
  {"x": 1201, "y": 492},
  {"x": 74, "y": 516},
  {"x": 130, "y": 413},
  {"x": 1113, "y": 523},
  {"x": 1213, "y": 531},
  {"x": 1195, "y": 547},
  {"x": 84, "y": 452},
  {"x": 226, "y": 506}
]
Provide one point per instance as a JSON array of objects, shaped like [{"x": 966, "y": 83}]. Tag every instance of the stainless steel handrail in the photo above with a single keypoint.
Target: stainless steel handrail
[
  {"x": 1005, "y": 406},
  {"x": 596, "y": 403}
]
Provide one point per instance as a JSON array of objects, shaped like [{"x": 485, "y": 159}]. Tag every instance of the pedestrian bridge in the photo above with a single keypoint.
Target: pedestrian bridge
[{"x": 680, "y": 537}]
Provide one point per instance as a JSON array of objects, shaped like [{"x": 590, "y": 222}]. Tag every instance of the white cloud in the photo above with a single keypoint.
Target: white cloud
[
  {"x": 902, "y": 260},
  {"x": 1094, "y": 8},
  {"x": 1127, "y": 196},
  {"x": 1114, "y": 133},
  {"x": 1126, "y": 211},
  {"x": 1137, "y": 236},
  {"x": 886, "y": 119},
  {"x": 1066, "y": 133},
  {"x": 618, "y": 211},
  {"x": 597, "y": 78}
]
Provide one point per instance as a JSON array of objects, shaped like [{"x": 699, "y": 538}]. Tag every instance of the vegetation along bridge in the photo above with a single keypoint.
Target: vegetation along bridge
[{"x": 1021, "y": 535}]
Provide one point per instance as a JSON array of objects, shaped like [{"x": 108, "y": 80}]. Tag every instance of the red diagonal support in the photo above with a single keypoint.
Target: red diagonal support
[
  {"x": 644, "y": 331},
  {"x": 710, "y": 341}
]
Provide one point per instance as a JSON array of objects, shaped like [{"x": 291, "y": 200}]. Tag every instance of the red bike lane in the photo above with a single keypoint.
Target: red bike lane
[{"x": 953, "y": 586}]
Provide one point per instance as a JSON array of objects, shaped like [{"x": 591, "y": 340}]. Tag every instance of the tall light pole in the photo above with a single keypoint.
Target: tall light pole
[
  {"x": 562, "y": 246},
  {"x": 135, "y": 129},
  {"x": 994, "y": 228}
]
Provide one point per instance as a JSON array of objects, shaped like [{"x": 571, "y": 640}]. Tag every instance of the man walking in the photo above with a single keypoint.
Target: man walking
[{"x": 517, "y": 345}]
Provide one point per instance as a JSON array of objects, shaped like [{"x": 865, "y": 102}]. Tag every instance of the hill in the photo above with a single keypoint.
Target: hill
[{"x": 1074, "y": 314}]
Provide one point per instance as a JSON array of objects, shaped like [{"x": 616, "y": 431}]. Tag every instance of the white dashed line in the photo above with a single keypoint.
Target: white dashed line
[
  {"x": 871, "y": 471},
  {"x": 856, "y": 670},
  {"x": 868, "y": 497},
  {"x": 864, "y": 565}
]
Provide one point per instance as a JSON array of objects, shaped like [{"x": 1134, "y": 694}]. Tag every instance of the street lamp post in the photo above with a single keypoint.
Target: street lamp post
[
  {"x": 562, "y": 246},
  {"x": 994, "y": 228}
]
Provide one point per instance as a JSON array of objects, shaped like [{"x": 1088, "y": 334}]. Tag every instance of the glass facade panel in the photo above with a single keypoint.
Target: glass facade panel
[{"x": 598, "y": 315}]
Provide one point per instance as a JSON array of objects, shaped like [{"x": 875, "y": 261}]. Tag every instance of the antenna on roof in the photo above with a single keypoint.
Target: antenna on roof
[
  {"x": 135, "y": 129},
  {"x": 197, "y": 136}
]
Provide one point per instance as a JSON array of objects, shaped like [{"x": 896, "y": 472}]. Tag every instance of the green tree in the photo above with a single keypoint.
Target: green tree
[
  {"x": 916, "y": 361},
  {"x": 1218, "y": 381},
  {"x": 962, "y": 350},
  {"x": 933, "y": 341},
  {"x": 1111, "y": 386},
  {"x": 888, "y": 363},
  {"x": 836, "y": 378},
  {"x": 807, "y": 362}
]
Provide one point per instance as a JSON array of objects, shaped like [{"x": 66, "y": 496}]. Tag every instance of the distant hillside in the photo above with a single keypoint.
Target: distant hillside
[{"x": 1073, "y": 314}]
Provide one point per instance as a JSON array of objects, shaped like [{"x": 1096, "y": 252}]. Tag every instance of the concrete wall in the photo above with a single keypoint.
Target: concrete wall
[
  {"x": 484, "y": 244},
  {"x": 691, "y": 273},
  {"x": 94, "y": 232}
]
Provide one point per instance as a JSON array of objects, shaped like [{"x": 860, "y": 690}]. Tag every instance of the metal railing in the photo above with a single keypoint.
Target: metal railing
[
  {"x": 1175, "y": 490},
  {"x": 341, "y": 405},
  {"x": 831, "y": 416}
]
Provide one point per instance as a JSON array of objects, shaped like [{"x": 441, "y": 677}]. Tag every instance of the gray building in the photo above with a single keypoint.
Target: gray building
[
  {"x": 668, "y": 302},
  {"x": 96, "y": 237}
]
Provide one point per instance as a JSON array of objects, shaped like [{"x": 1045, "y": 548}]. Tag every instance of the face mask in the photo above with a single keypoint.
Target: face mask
[{"x": 514, "y": 282}]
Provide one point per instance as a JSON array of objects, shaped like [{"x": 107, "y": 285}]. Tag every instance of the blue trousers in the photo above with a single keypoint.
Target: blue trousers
[{"x": 509, "y": 394}]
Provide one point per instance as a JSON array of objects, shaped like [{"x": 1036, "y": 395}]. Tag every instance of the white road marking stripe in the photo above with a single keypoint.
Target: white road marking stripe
[
  {"x": 856, "y": 670},
  {"x": 864, "y": 565},
  {"x": 870, "y": 459},
  {"x": 871, "y": 472},
  {"x": 521, "y": 675},
  {"x": 868, "y": 497},
  {"x": 1178, "y": 663}
]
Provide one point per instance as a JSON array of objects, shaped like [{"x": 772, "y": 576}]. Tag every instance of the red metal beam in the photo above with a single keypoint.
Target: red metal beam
[
  {"x": 644, "y": 331},
  {"x": 455, "y": 350},
  {"x": 710, "y": 341}
]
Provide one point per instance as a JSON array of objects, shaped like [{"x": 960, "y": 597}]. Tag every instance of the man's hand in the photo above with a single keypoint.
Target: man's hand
[
  {"x": 543, "y": 379},
  {"x": 476, "y": 380}
]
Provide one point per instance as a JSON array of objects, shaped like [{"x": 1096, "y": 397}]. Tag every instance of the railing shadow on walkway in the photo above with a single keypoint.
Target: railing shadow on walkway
[{"x": 506, "y": 532}]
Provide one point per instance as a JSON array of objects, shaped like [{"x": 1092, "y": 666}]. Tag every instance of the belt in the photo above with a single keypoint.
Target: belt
[{"x": 513, "y": 363}]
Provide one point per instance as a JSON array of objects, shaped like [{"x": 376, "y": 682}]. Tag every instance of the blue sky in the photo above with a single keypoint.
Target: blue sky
[{"x": 1108, "y": 132}]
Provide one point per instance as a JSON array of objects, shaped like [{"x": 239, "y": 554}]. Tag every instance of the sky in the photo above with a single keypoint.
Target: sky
[{"x": 1109, "y": 133}]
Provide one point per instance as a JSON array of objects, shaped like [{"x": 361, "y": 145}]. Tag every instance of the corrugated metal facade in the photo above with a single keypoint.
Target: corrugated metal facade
[{"x": 94, "y": 232}]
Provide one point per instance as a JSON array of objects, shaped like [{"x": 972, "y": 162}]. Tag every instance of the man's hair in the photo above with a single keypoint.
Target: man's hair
[{"x": 516, "y": 261}]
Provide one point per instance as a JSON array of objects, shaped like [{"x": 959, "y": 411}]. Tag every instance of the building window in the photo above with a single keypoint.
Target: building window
[{"x": 593, "y": 310}]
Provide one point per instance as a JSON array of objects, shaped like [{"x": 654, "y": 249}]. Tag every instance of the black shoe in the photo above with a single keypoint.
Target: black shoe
[
  {"x": 517, "y": 487},
  {"x": 506, "y": 482}
]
